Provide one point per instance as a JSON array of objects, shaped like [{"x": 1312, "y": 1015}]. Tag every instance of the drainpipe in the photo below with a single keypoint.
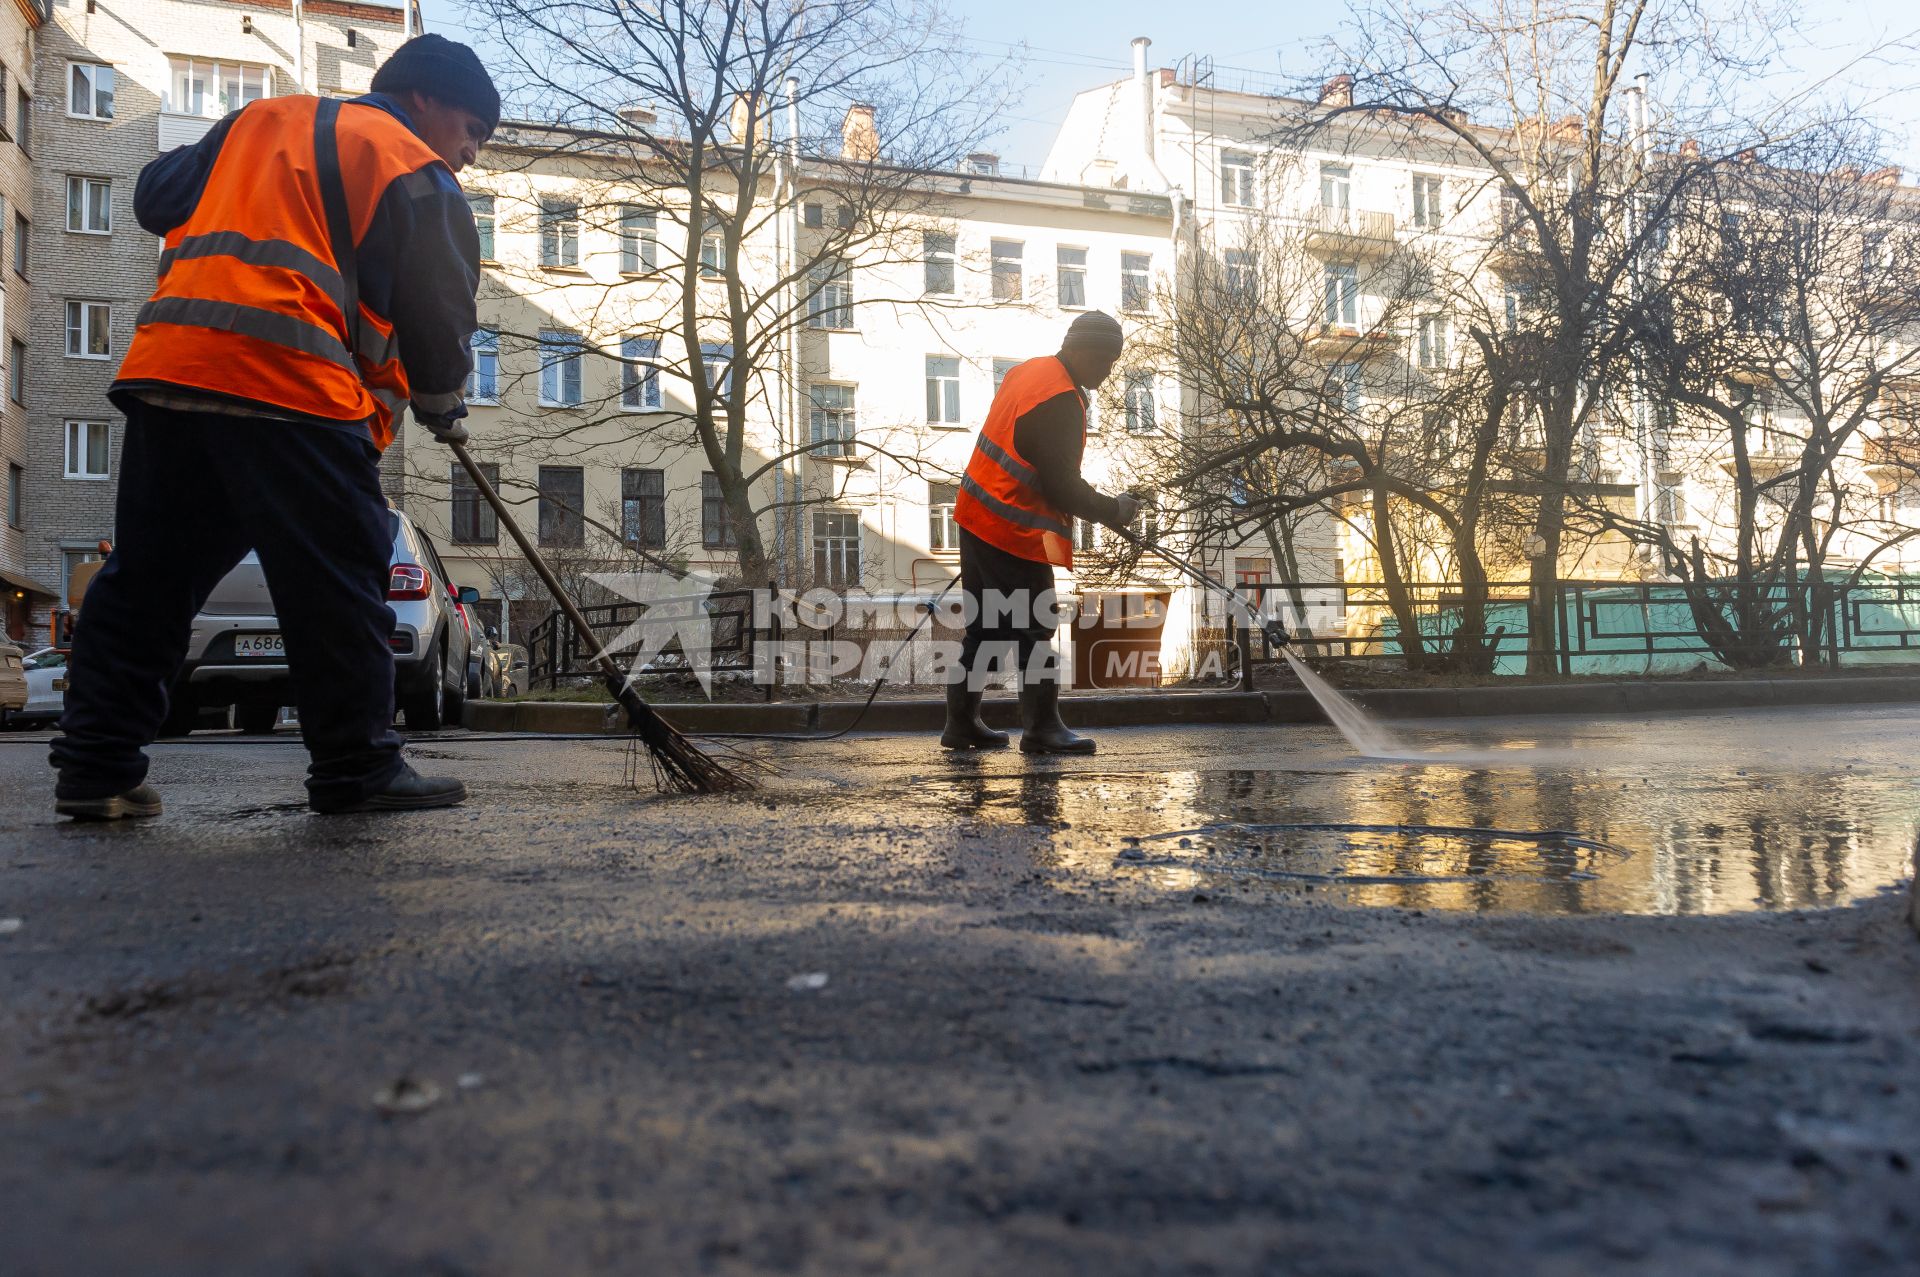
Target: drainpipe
[
  {"x": 1143, "y": 88},
  {"x": 300, "y": 45}
]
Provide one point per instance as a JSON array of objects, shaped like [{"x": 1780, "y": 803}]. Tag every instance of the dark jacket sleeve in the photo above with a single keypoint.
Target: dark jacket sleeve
[
  {"x": 1052, "y": 438},
  {"x": 420, "y": 266},
  {"x": 169, "y": 187}
]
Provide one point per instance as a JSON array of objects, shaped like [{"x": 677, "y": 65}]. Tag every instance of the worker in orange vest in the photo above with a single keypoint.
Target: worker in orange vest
[
  {"x": 1021, "y": 490},
  {"x": 318, "y": 276}
]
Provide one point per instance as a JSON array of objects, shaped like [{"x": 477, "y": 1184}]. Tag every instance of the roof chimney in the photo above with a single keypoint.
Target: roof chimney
[
  {"x": 1690, "y": 149},
  {"x": 740, "y": 118},
  {"x": 1144, "y": 88},
  {"x": 1889, "y": 176},
  {"x": 638, "y": 117},
  {"x": 859, "y": 140},
  {"x": 983, "y": 164},
  {"x": 1337, "y": 92}
]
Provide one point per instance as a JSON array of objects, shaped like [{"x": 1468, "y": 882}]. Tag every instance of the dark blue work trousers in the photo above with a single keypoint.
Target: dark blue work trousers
[
  {"x": 1006, "y": 624},
  {"x": 197, "y": 491}
]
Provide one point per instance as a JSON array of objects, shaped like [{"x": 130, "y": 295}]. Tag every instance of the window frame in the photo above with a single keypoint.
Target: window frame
[
  {"x": 947, "y": 397},
  {"x": 825, "y": 548},
  {"x": 839, "y": 446},
  {"x": 74, "y": 69},
  {"x": 22, "y": 242},
  {"x": 1431, "y": 341},
  {"x": 487, "y": 236},
  {"x": 559, "y": 233},
  {"x": 1340, "y": 307},
  {"x": 1065, "y": 270},
  {"x": 17, "y": 371},
  {"x": 934, "y": 258},
  {"x": 640, "y": 393},
  {"x": 716, "y": 520},
  {"x": 714, "y": 262},
  {"x": 1141, "y": 405},
  {"x": 215, "y": 82},
  {"x": 16, "y": 495},
  {"x": 1131, "y": 265},
  {"x": 943, "y": 534},
  {"x": 642, "y": 513},
  {"x": 1007, "y": 285},
  {"x": 83, "y": 431},
  {"x": 830, "y": 296},
  {"x": 485, "y": 522},
  {"x": 84, "y": 185},
  {"x": 639, "y": 236},
  {"x": 552, "y": 342},
  {"x": 1428, "y": 197},
  {"x": 1336, "y": 179},
  {"x": 1236, "y": 178},
  {"x": 88, "y": 307},
  {"x": 484, "y": 341},
  {"x": 568, "y": 527}
]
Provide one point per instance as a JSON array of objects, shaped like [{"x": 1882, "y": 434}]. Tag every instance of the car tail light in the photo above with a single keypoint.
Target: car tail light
[
  {"x": 401, "y": 643},
  {"x": 409, "y": 581}
]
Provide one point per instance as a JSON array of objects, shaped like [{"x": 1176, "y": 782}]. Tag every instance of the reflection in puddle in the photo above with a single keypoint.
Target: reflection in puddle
[{"x": 1643, "y": 838}]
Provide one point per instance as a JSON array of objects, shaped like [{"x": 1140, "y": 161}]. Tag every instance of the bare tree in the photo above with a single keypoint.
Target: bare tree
[{"x": 757, "y": 160}]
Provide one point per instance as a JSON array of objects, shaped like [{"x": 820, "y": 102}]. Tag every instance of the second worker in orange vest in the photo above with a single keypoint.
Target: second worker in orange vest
[
  {"x": 317, "y": 278},
  {"x": 1021, "y": 492}
]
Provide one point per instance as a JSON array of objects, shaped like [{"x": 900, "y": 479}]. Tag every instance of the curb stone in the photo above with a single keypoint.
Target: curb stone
[{"x": 1165, "y": 708}]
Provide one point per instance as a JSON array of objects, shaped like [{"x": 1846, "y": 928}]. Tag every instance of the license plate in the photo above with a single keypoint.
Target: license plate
[{"x": 259, "y": 645}]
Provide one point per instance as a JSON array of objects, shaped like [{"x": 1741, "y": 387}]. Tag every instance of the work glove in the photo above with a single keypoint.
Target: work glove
[
  {"x": 1276, "y": 633},
  {"x": 441, "y": 415},
  {"x": 1129, "y": 509}
]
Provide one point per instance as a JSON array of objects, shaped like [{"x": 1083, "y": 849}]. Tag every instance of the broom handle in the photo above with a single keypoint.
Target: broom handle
[{"x": 545, "y": 573}]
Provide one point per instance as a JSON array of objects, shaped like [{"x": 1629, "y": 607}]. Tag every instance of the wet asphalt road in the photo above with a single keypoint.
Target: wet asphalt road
[{"x": 1048, "y": 1039}]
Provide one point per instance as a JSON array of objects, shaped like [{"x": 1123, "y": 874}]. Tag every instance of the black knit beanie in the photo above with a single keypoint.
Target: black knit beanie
[
  {"x": 1096, "y": 332},
  {"x": 441, "y": 68}
]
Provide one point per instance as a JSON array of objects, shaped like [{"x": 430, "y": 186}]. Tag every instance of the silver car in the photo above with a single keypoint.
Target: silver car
[{"x": 236, "y": 655}]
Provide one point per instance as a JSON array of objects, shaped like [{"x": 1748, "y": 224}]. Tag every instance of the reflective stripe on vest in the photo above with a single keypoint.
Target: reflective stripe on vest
[
  {"x": 251, "y": 303},
  {"x": 1000, "y": 499}
]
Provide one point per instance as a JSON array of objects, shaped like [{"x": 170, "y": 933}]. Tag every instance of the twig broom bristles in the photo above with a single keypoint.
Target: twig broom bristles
[{"x": 678, "y": 764}]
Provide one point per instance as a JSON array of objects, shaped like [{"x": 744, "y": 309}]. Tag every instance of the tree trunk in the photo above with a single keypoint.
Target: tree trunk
[{"x": 1412, "y": 646}]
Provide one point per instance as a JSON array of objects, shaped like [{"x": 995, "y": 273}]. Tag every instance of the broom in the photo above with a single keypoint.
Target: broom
[{"x": 678, "y": 764}]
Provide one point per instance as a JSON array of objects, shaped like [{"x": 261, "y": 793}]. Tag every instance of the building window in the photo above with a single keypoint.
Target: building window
[
  {"x": 716, "y": 521},
  {"x": 1515, "y": 303},
  {"x": 1342, "y": 309},
  {"x": 89, "y": 446},
  {"x": 1007, "y": 280},
  {"x": 87, "y": 324},
  {"x": 6, "y": 134},
  {"x": 1345, "y": 381},
  {"x": 718, "y": 360},
  {"x": 1140, "y": 415},
  {"x": 713, "y": 247},
  {"x": 90, "y": 91},
  {"x": 943, "y": 534},
  {"x": 1073, "y": 278},
  {"x": 1336, "y": 186},
  {"x": 23, "y": 120},
  {"x": 1236, "y": 178},
  {"x": 836, "y": 548},
  {"x": 1433, "y": 341},
  {"x": 639, "y": 374},
  {"x": 1671, "y": 497},
  {"x": 482, "y": 206},
  {"x": 936, "y": 252},
  {"x": 563, "y": 502},
  {"x": 639, "y": 240},
  {"x": 16, "y": 485},
  {"x": 560, "y": 359},
  {"x": 214, "y": 89},
  {"x": 833, "y": 414},
  {"x": 830, "y": 304},
  {"x": 1086, "y": 535},
  {"x": 1239, "y": 262},
  {"x": 943, "y": 390},
  {"x": 559, "y": 234},
  {"x": 1427, "y": 210},
  {"x": 483, "y": 383},
  {"x": 1133, "y": 280},
  {"x": 17, "y": 371},
  {"x": 474, "y": 522},
  {"x": 89, "y": 205},
  {"x": 1001, "y": 367},
  {"x": 22, "y": 231},
  {"x": 643, "y": 508}
]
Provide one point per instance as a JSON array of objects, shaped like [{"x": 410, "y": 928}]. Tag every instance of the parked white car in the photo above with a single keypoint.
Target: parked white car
[{"x": 46, "y": 673}]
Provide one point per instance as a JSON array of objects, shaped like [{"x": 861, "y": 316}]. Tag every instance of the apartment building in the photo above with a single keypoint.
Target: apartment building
[
  {"x": 20, "y": 24},
  {"x": 111, "y": 90},
  {"x": 863, "y": 421}
]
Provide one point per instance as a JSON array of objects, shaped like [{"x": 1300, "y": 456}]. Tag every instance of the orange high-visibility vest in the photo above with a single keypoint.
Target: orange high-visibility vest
[
  {"x": 1000, "y": 500},
  {"x": 251, "y": 301}
]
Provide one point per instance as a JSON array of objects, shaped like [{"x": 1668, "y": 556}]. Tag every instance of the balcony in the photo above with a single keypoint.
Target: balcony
[
  {"x": 1341, "y": 343},
  {"x": 1769, "y": 461},
  {"x": 1516, "y": 252},
  {"x": 1350, "y": 232},
  {"x": 1892, "y": 457}
]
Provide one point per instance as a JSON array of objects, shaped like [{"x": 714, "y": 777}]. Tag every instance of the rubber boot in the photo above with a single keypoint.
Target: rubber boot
[
  {"x": 965, "y": 728},
  {"x": 1042, "y": 732}
]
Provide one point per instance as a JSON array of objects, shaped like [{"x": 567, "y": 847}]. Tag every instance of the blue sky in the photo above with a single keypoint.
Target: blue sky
[{"x": 1071, "y": 46}]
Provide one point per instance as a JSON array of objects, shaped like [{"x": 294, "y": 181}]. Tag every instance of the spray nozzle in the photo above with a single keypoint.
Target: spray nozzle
[{"x": 1276, "y": 633}]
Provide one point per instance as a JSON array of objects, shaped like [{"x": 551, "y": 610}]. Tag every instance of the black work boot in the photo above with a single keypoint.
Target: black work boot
[
  {"x": 137, "y": 803},
  {"x": 1042, "y": 732},
  {"x": 408, "y": 791},
  {"x": 965, "y": 728}
]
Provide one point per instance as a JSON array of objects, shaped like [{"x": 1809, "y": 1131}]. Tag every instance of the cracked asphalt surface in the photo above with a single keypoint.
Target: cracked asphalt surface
[{"x": 900, "y": 1013}]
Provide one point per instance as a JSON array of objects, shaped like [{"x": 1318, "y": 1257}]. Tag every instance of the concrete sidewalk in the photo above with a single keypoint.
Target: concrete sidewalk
[{"x": 1152, "y": 709}]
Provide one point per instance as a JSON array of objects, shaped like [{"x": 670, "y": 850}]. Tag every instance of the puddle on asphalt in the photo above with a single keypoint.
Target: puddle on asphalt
[{"x": 1436, "y": 834}]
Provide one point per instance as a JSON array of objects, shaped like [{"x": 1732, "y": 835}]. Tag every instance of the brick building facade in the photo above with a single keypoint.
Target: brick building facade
[{"x": 21, "y": 589}]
